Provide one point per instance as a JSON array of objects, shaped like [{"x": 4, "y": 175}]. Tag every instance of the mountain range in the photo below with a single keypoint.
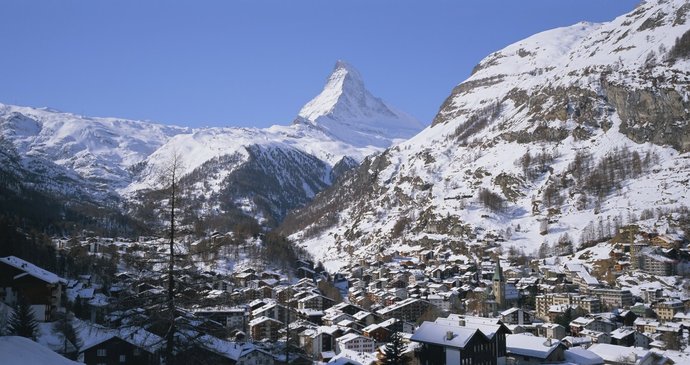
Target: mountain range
[
  {"x": 565, "y": 136},
  {"x": 562, "y": 138},
  {"x": 258, "y": 173}
]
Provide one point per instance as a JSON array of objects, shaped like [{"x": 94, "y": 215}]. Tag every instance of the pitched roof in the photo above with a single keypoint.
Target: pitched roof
[
  {"x": 438, "y": 334},
  {"x": 532, "y": 346},
  {"x": 32, "y": 270},
  {"x": 487, "y": 326},
  {"x": 17, "y": 350},
  {"x": 139, "y": 338}
]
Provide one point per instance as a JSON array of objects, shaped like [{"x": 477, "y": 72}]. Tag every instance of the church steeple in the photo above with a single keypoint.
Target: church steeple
[
  {"x": 498, "y": 271},
  {"x": 499, "y": 285}
]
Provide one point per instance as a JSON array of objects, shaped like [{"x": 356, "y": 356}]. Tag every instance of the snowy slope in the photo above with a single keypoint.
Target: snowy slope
[
  {"x": 516, "y": 149},
  {"x": 115, "y": 157},
  {"x": 99, "y": 149}
]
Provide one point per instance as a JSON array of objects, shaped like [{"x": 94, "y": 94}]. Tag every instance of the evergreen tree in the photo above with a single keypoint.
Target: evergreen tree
[
  {"x": 70, "y": 341},
  {"x": 23, "y": 322},
  {"x": 393, "y": 352}
]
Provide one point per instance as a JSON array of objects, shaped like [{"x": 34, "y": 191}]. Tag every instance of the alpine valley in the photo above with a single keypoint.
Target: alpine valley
[
  {"x": 541, "y": 217},
  {"x": 563, "y": 137}
]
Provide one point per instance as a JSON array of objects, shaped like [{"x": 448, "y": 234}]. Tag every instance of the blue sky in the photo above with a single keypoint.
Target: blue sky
[{"x": 254, "y": 62}]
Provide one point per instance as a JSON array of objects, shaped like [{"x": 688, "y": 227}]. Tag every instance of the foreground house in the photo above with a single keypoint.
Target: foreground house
[
  {"x": 136, "y": 347},
  {"x": 41, "y": 288},
  {"x": 461, "y": 340}
]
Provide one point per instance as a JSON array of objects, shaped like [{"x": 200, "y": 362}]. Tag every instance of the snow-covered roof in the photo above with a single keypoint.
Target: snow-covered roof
[
  {"x": 262, "y": 319},
  {"x": 33, "y": 270},
  {"x": 17, "y": 350},
  {"x": 351, "y": 357},
  {"x": 578, "y": 355},
  {"x": 615, "y": 353},
  {"x": 437, "y": 333},
  {"x": 620, "y": 333},
  {"x": 576, "y": 341},
  {"x": 139, "y": 337},
  {"x": 351, "y": 337},
  {"x": 532, "y": 346},
  {"x": 509, "y": 311},
  {"x": 488, "y": 326},
  {"x": 232, "y": 350}
]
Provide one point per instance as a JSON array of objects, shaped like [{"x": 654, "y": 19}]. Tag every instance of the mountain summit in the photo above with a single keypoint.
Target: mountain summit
[{"x": 346, "y": 110}]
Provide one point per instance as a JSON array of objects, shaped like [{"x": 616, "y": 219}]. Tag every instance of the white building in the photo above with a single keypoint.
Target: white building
[{"x": 355, "y": 342}]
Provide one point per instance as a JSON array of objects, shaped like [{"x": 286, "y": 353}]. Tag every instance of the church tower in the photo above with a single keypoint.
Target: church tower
[{"x": 499, "y": 285}]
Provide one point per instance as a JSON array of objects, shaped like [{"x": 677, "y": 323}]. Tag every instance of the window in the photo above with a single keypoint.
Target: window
[
  {"x": 101, "y": 352},
  {"x": 123, "y": 358},
  {"x": 136, "y": 352}
]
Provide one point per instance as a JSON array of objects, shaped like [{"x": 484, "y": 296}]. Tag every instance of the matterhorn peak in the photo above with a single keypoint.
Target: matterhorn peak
[{"x": 346, "y": 110}]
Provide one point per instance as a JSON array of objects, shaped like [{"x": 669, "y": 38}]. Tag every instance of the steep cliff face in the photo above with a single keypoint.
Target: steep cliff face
[
  {"x": 574, "y": 128},
  {"x": 657, "y": 115}
]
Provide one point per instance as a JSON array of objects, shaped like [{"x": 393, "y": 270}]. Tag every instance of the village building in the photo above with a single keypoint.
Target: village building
[
  {"x": 41, "y": 288},
  {"x": 461, "y": 340}
]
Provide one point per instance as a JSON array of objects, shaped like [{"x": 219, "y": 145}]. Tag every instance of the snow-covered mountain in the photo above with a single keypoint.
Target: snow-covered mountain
[
  {"x": 97, "y": 149},
  {"x": 115, "y": 157},
  {"x": 575, "y": 130},
  {"x": 346, "y": 110}
]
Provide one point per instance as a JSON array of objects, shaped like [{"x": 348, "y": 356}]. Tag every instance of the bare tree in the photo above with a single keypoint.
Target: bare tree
[{"x": 169, "y": 176}]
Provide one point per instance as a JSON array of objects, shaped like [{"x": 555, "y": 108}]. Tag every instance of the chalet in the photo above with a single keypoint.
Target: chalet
[
  {"x": 396, "y": 325},
  {"x": 516, "y": 316},
  {"x": 243, "y": 278},
  {"x": 668, "y": 241},
  {"x": 592, "y": 324},
  {"x": 333, "y": 317},
  {"x": 646, "y": 325},
  {"x": 551, "y": 330},
  {"x": 364, "y": 317},
  {"x": 376, "y": 332},
  {"x": 525, "y": 349},
  {"x": 136, "y": 347},
  {"x": 230, "y": 317},
  {"x": 41, "y": 288},
  {"x": 627, "y": 336},
  {"x": 305, "y": 272},
  {"x": 216, "y": 351},
  {"x": 264, "y": 328},
  {"x": 347, "y": 308},
  {"x": 315, "y": 341},
  {"x": 354, "y": 342},
  {"x": 273, "y": 310},
  {"x": 596, "y": 336},
  {"x": 461, "y": 340}
]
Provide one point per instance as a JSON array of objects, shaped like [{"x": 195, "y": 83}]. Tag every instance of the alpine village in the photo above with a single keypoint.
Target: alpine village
[{"x": 541, "y": 218}]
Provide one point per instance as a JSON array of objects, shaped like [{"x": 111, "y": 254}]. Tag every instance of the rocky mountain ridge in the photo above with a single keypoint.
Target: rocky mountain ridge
[{"x": 566, "y": 135}]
